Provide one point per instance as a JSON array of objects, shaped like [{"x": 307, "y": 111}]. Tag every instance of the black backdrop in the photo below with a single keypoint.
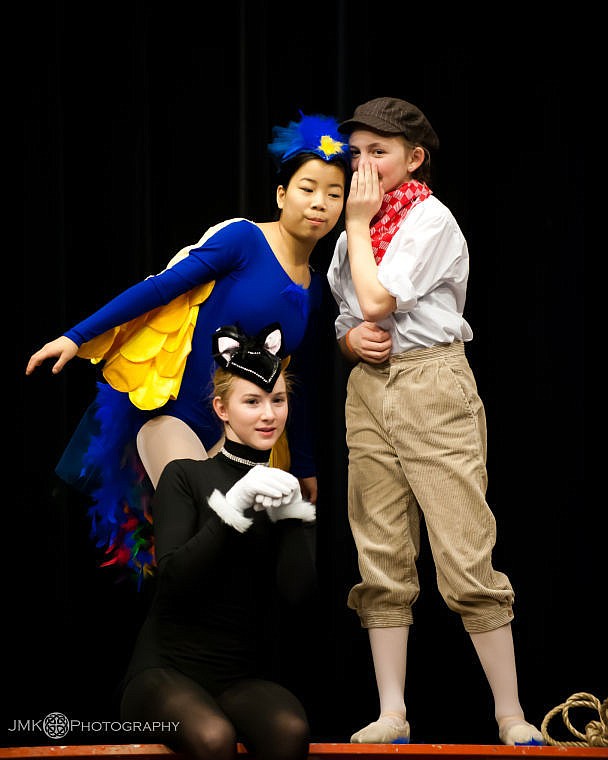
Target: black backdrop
[{"x": 142, "y": 124}]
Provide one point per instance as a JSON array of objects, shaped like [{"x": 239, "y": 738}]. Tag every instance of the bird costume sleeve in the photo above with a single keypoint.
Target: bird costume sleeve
[{"x": 145, "y": 356}]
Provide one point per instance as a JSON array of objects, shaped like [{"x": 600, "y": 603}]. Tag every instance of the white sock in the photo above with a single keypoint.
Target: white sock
[{"x": 516, "y": 730}]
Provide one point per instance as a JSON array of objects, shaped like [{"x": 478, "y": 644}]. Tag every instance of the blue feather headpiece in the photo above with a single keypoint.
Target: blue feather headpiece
[{"x": 316, "y": 134}]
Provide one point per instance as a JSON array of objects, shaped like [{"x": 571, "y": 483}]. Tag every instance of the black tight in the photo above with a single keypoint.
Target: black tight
[{"x": 266, "y": 717}]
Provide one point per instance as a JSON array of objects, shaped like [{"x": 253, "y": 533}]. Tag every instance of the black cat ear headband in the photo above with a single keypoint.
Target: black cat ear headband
[{"x": 255, "y": 358}]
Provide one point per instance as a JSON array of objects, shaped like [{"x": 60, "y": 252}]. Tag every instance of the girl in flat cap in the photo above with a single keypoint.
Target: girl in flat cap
[
  {"x": 230, "y": 534},
  {"x": 416, "y": 429},
  {"x": 153, "y": 340}
]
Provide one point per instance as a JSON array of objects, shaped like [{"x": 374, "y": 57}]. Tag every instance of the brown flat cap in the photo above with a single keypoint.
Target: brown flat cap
[{"x": 394, "y": 117}]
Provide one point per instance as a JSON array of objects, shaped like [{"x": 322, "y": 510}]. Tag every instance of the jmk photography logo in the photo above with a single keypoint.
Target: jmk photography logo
[{"x": 56, "y": 725}]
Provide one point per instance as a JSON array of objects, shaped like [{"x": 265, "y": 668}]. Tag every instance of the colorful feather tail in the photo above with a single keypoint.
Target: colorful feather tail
[{"x": 120, "y": 515}]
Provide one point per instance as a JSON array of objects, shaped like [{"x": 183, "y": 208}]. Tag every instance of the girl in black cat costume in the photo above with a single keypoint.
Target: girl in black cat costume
[{"x": 229, "y": 532}]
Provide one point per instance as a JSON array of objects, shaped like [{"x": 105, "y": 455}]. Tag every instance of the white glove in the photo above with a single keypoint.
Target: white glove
[
  {"x": 297, "y": 508},
  {"x": 289, "y": 486},
  {"x": 261, "y": 485}
]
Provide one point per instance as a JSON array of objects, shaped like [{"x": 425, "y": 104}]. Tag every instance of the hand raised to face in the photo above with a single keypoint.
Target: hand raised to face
[{"x": 366, "y": 193}]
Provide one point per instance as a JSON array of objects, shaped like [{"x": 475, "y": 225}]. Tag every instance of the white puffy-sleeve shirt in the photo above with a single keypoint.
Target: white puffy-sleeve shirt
[{"x": 425, "y": 267}]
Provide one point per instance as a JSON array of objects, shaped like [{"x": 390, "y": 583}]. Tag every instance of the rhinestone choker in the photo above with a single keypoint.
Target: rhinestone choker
[{"x": 240, "y": 460}]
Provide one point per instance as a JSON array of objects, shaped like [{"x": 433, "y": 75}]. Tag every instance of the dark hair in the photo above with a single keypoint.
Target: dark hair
[
  {"x": 291, "y": 166},
  {"x": 286, "y": 171},
  {"x": 423, "y": 172}
]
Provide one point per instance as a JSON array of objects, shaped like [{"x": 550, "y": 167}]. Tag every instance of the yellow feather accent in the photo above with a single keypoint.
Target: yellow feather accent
[
  {"x": 124, "y": 375},
  {"x": 155, "y": 391},
  {"x": 329, "y": 146},
  {"x": 170, "y": 318},
  {"x": 146, "y": 356},
  {"x": 98, "y": 346},
  {"x": 169, "y": 363},
  {"x": 143, "y": 346}
]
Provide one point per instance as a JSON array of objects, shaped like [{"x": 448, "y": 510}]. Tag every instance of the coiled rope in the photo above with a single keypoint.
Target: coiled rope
[{"x": 596, "y": 731}]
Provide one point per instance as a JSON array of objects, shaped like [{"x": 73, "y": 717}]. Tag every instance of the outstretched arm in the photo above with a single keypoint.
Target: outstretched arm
[{"x": 220, "y": 253}]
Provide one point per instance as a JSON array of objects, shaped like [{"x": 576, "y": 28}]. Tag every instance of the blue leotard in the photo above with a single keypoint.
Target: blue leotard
[{"x": 251, "y": 290}]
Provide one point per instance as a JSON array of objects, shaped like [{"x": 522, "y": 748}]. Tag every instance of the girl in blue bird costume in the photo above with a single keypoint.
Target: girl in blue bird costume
[{"x": 153, "y": 343}]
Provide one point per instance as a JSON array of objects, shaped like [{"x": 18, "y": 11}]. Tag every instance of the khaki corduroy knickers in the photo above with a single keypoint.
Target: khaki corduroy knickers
[{"x": 416, "y": 435}]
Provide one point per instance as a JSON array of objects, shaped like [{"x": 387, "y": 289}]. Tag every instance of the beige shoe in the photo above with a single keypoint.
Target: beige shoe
[
  {"x": 383, "y": 732},
  {"x": 517, "y": 731}
]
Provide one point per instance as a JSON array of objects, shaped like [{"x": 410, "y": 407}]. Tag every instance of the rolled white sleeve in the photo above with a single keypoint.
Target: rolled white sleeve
[
  {"x": 342, "y": 288},
  {"x": 422, "y": 254},
  {"x": 425, "y": 269}
]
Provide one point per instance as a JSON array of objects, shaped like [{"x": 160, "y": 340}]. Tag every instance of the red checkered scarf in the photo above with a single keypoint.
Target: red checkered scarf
[{"x": 395, "y": 207}]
